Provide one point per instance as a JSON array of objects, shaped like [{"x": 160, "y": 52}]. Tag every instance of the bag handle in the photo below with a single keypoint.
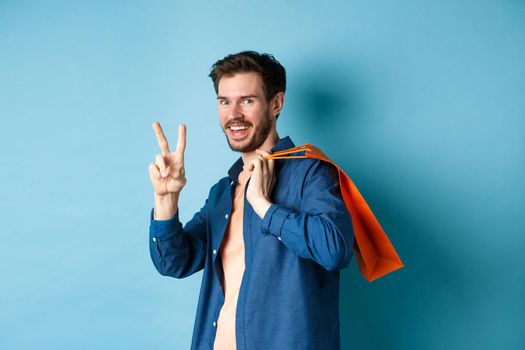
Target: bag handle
[{"x": 282, "y": 154}]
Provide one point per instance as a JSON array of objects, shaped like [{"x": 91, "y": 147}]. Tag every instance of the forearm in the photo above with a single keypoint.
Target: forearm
[
  {"x": 178, "y": 251},
  {"x": 324, "y": 238}
]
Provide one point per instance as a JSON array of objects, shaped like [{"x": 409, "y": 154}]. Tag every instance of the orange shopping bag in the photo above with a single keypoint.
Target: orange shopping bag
[{"x": 374, "y": 253}]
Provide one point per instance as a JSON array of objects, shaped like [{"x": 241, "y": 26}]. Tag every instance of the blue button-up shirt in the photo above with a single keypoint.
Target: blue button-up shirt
[{"x": 289, "y": 295}]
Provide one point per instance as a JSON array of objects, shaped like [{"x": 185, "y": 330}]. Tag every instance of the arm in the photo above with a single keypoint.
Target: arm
[
  {"x": 178, "y": 251},
  {"x": 175, "y": 251},
  {"x": 322, "y": 231}
]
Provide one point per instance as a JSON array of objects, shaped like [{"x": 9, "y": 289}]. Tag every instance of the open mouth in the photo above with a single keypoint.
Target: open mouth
[{"x": 238, "y": 131}]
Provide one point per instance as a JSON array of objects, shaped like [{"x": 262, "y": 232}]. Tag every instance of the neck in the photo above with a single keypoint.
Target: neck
[{"x": 268, "y": 144}]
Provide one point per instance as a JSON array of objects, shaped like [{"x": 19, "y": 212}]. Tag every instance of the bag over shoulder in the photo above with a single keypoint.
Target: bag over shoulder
[{"x": 375, "y": 254}]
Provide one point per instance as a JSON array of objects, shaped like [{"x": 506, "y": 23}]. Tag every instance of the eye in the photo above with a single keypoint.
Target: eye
[
  {"x": 247, "y": 101},
  {"x": 223, "y": 102}
]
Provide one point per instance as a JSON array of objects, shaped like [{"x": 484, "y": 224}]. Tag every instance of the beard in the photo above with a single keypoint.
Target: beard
[{"x": 259, "y": 135}]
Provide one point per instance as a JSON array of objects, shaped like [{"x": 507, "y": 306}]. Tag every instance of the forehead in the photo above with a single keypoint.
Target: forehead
[{"x": 241, "y": 84}]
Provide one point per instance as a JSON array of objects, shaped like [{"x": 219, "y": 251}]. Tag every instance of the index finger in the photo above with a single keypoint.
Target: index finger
[
  {"x": 161, "y": 138},
  {"x": 265, "y": 154}
]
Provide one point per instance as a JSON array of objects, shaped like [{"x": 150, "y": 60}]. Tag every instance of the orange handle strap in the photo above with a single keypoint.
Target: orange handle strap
[
  {"x": 283, "y": 157},
  {"x": 282, "y": 154}
]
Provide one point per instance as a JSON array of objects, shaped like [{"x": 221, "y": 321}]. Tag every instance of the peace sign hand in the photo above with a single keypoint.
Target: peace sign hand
[{"x": 167, "y": 172}]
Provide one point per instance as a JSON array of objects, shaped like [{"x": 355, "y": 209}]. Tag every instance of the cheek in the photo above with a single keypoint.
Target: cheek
[
  {"x": 254, "y": 115},
  {"x": 223, "y": 117}
]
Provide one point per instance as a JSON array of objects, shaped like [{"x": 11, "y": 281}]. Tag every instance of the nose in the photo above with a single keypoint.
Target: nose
[{"x": 234, "y": 112}]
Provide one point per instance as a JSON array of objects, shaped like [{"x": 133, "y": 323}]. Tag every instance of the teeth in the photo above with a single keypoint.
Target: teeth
[{"x": 237, "y": 128}]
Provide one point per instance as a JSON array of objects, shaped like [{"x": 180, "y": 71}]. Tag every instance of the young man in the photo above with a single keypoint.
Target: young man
[{"x": 272, "y": 235}]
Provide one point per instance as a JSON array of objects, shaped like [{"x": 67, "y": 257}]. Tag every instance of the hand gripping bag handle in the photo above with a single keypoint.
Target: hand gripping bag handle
[{"x": 374, "y": 253}]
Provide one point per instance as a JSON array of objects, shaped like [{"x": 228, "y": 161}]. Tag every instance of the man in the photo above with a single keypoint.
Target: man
[{"x": 272, "y": 235}]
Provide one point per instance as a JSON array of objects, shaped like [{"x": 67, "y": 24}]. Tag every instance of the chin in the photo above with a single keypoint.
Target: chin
[{"x": 242, "y": 146}]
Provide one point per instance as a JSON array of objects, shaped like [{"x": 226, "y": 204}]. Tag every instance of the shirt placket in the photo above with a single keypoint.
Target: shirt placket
[{"x": 216, "y": 261}]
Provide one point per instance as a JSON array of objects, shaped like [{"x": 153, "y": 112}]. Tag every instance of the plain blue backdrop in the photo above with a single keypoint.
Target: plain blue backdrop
[{"x": 422, "y": 103}]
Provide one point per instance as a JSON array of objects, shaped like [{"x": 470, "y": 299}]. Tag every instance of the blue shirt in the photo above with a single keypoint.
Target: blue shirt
[{"x": 289, "y": 295}]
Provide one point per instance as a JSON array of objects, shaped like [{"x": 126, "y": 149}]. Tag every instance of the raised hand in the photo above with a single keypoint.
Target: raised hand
[{"x": 167, "y": 172}]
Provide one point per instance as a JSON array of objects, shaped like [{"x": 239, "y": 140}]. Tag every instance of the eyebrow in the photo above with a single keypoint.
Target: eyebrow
[{"x": 242, "y": 97}]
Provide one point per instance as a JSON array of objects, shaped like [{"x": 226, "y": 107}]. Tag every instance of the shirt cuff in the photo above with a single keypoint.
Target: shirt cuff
[
  {"x": 273, "y": 220},
  {"x": 162, "y": 228}
]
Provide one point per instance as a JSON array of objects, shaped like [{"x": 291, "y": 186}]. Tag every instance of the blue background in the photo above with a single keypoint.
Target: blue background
[{"x": 422, "y": 103}]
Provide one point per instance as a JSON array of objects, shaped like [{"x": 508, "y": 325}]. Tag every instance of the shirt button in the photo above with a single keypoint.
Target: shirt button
[
  {"x": 214, "y": 251},
  {"x": 226, "y": 216},
  {"x": 154, "y": 239},
  {"x": 279, "y": 238},
  {"x": 214, "y": 324}
]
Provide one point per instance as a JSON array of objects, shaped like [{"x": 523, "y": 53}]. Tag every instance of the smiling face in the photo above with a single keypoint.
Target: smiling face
[{"x": 246, "y": 117}]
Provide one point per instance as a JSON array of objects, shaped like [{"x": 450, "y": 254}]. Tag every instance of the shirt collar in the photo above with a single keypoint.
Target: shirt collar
[{"x": 235, "y": 170}]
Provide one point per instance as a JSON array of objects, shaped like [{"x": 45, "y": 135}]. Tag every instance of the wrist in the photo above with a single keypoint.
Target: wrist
[
  {"x": 165, "y": 206},
  {"x": 261, "y": 206}
]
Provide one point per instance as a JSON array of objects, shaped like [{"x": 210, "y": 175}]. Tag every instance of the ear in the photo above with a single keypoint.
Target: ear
[{"x": 276, "y": 104}]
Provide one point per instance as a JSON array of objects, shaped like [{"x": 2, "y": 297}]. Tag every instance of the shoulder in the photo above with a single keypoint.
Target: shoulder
[
  {"x": 220, "y": 186},
  {"x": 218, "y": 192},
  {"x": 320, "y": 172},
  {"x": 309, "y": 167},
  {"x": 307, "y": 172}
]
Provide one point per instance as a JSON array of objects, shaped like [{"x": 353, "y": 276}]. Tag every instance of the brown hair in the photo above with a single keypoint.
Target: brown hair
[{"x": 272, "y": 73}]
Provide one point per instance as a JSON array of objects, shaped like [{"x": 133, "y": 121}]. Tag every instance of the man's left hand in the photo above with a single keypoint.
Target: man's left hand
[{"x": 261, "y": 183}]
